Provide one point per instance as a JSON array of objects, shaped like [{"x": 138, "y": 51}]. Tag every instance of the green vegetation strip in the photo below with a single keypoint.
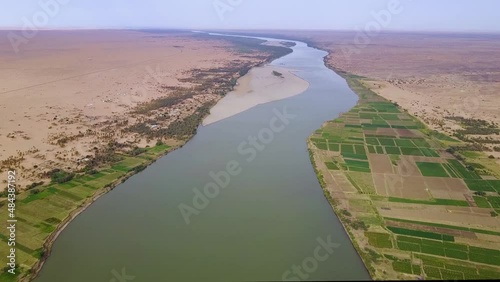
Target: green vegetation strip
[
  {"x": 354, "y": 156},
  {"x": 432, "y": 169},
  {"x": 439, "y": 202},
  {"x": 450, "y": 250},
  {"x": 481, "y": 185},
  {"x": 423, "y": 234},
  {"x": 469, "y": 270},
  {"x": 481, "y": 202},
  {"x": 445, "y": 226},
  {"x": 462, "y": 171},
  {"x": 331, "y": 165},
  {"x": 42, "y": 209},
  {"x": 379, "y": 240}
]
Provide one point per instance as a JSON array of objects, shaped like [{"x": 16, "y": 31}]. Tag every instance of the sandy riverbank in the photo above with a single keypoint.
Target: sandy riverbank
[{"x": 259, "y": 86}]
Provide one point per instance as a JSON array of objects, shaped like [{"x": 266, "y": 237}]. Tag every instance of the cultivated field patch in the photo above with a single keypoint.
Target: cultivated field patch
[{"x": 432, "y": 169}]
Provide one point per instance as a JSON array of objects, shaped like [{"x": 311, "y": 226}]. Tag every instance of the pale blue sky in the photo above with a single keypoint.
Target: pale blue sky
[{"x": 428, "y": 15}]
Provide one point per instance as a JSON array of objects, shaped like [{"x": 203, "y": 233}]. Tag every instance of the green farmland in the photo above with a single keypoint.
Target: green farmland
[
  {"x": 397, "y": 152},
  {"x": 45, "y": 211},
  {"x": 432, "y": 169}
]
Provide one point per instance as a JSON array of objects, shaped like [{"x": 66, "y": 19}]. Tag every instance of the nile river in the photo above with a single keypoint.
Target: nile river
[{"x": 265, "y": 218}]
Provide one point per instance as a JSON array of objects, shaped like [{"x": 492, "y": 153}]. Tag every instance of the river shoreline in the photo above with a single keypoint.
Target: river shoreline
[
  {"x": 362, "y": 213},
  {"x": 47, "y": 246},
  {"x": 335, "y": 209}
]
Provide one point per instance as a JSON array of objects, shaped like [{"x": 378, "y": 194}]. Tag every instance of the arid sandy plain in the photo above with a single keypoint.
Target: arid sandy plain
[
  {"x": 66, "y": 91},
  {"x": 431, "y": 75}
]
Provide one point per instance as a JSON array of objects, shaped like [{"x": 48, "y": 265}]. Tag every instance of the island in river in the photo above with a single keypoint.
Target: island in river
[{"x": 261, "y": 85}]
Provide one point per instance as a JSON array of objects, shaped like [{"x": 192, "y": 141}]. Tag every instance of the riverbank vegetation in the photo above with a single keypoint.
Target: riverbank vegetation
[
  {"x": 427, "y": 202},
  {"x": 41, "y": 213},
  {"x": 255, "y": 46}
]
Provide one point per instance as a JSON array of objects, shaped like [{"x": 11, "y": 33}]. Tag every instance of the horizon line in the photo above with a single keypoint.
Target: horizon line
[{"x": 249, "y": 29}]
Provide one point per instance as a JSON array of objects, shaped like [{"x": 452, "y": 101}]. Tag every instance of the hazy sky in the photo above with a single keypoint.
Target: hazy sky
[{"x": 437, "y": 15}]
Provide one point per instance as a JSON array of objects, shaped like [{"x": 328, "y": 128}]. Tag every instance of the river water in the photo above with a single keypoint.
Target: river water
[{"x": 270, "y": 222}]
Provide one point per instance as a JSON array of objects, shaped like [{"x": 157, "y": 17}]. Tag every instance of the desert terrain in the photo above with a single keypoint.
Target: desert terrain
[
  {"x": 448, "y": 74},
  {"x": 69, "y": 93}
]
